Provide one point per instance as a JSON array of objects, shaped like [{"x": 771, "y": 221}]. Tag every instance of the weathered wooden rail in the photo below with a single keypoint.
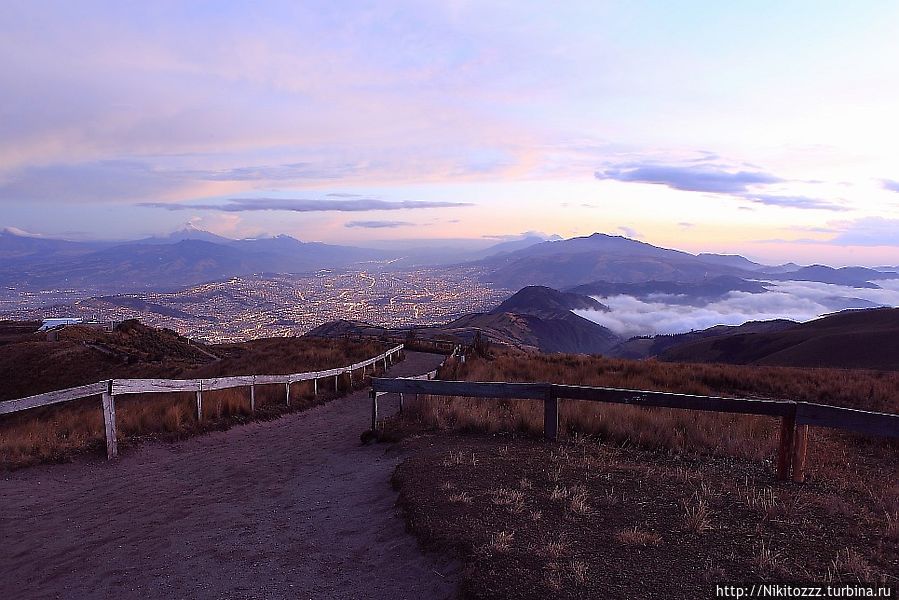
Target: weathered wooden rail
[
  {"x": 432, "y": 374},
  {"x": 415, "y": 344},
  {"x": 111, "y": 388},
  {"x": 796, "y": 417}
]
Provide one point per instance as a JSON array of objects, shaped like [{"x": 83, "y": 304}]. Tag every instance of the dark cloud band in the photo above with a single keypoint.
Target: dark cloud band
[
  {"x": 690, "y": 179},
  {"x": 714, "y": 180}
]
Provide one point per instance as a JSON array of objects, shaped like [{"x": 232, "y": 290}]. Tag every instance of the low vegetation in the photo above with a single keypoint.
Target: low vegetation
[
  {"x": 584, "y": 520},
  {"x": 60, "y": 432},
  {"x": 681, "y": 431},
  {"x": 689, "y": 497}
]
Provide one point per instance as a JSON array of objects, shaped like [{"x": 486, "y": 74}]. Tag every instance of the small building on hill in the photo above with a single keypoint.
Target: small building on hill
[{"x": 60, "y": 322}]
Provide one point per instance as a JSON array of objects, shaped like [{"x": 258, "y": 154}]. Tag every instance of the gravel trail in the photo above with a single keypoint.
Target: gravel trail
[{"x": 290, "y": 508}]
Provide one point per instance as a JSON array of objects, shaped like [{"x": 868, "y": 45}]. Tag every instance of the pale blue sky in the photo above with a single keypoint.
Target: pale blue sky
[{"x": 766, "y": 128}]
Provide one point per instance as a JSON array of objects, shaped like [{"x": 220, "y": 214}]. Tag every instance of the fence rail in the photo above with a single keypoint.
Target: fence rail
[
  {"x": 432, "y": 374},
  {"x": 111, "y": 388},
  {"x": 796, "y": 417},
  {"x": 417, "y": 344}
]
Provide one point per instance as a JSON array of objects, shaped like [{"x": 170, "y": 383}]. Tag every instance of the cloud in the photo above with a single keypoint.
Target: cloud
[
  {"x": 227, "y": 225},
  {"x": 794, "y": 202},
  {"x": 689, "y": 178},
  {"x": 890, "y": 184},
  {"x": 20, "y": 232},
  {"x": 378, "y": 224},
  {"x": 509, "y": 237},
  {"x": 630, "y": 232},
  {"x": 306, "y": 205},
  {"x": 714, "y": 179},
  {"x": 686, "y": 225},
  {"x": 795, "y": 300}
]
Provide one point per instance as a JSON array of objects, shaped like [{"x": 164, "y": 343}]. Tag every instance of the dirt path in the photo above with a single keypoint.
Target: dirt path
[{"x": 291, "y": 508}]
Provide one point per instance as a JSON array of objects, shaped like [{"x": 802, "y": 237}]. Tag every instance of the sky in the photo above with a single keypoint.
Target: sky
[{"x": 762, "y": 128}]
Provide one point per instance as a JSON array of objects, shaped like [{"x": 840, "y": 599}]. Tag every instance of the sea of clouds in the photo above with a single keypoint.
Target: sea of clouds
[{"x": 794, "y": 300}]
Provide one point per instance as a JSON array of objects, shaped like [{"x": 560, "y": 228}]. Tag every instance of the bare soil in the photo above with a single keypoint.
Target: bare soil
[
  {"x": 532, "y": 519},
  {"x": 290, "y": 508}
]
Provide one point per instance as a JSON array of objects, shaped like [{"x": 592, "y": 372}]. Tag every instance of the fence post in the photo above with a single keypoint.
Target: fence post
[
  {"x": 200, "y": 401},
  {"x": 785, "y": 448},
  {"x": 315, "y": 387},
  {"x": 287, "y": 392},
  {"x": 800, "y": 445},
  {"x": 374, "y": 410},
  {"x": 336, "y": 388},
  {"x": 253, "y": 395},
  {"x": 401, "y": 402},
  {"x": 551, "y": 416},
  {"x": 112, "y": 445}
]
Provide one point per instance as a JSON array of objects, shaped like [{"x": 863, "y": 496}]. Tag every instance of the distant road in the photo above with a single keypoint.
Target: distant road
[{"x": 291, "y": 508}]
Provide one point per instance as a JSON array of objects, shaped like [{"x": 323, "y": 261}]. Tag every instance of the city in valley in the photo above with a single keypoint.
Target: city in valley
[{"x": 243, "y": 308}]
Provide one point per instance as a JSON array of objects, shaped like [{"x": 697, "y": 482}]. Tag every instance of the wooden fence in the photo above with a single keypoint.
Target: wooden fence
[
  {"x": 796, "y": 417},
  {"x": 109, "y": 389},
  {"x": 415, "y": 344},
  {"x": 432, "y": 374}
]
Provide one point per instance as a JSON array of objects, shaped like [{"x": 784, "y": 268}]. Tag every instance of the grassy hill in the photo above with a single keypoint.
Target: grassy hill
[
  {"x": 30, "y": 364},
  {"x": 864, "y": 339}
]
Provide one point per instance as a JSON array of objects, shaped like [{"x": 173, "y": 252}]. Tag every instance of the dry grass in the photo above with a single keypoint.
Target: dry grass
[
  {"x": 59, "y": 432},
  {"x": 697, "y": 518},
  {"x": 513, "y": 500},
  {"x": 555, "y": 549},
  {"x": 499, "y": 542},
  {"x": 463, "y": 497},
  {"x": 637, "y": 537},
  {"x": 743, "y": 436},
  {"x": 690, "y": 521},
  {"x": 851, "y": 567},
  {"x": 853, "y": 467}
]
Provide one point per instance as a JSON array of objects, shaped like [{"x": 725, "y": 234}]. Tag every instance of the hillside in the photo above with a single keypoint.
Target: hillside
[
  {"x": 858, "y": 277},
  {"x": 541, "y": 300},
  {"x": 598, "y": 257},
  {"x": 561, "y": 333},
  {"x": 702, "y": 291},
  {"x": 535, "y": 317},
  {"x": 652, "y": 346},
  {"x": 612, "y": 259},
  {"x": 862, "y": 339},
  {"x": 29, "y": 364}
]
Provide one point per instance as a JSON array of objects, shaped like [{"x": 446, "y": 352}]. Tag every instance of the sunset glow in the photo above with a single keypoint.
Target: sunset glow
[{"x": 760, "y": 128}]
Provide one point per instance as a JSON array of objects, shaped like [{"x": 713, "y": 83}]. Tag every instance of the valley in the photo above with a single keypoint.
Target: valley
[{"x": 242, "y": 308}]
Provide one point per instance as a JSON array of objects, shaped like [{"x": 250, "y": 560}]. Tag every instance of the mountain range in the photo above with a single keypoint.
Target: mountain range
[
  {"x": 191, "y": 256},
  {"x": 619, "y": 260},
  {"x": 186, "y": 257}
]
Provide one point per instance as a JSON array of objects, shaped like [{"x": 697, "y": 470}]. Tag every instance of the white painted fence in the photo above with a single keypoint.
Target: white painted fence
[{"x": 111, "y": 388}]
